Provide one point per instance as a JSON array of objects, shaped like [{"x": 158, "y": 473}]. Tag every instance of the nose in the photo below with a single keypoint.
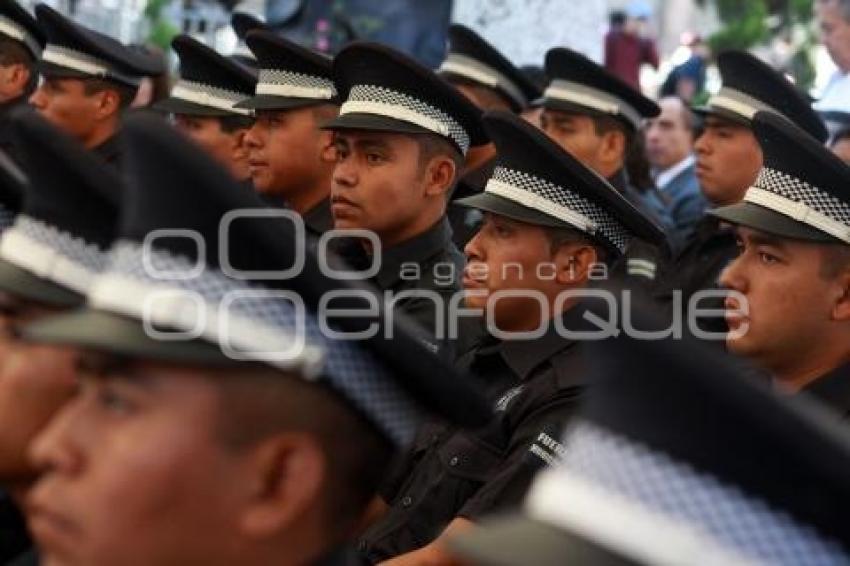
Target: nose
[
  {"x": 54, "y": 450},
  {"x": 38, "y": 98},
  {"x": 473, "y": 248},
  {"x": 253, "y": 137},
  {"x": 732, "y": 276},
  {"x": 345, "y": 173},
  {"x": 702, "y": 145}
]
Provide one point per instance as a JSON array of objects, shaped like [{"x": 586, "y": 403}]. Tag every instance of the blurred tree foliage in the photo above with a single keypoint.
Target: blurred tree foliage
[
  {"x": 747, "y": 23},
  {"x": 160, "y": 30}
]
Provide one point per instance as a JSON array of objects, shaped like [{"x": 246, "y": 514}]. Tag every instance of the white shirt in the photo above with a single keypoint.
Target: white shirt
[
  {"x": 835, "y": 95},
  {"x": 664, "y": 177}
]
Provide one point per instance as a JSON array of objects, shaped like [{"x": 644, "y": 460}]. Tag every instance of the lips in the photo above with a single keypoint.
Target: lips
[
  {"x": 734, "y": 319},
  {"x": 54, "y": 531}
]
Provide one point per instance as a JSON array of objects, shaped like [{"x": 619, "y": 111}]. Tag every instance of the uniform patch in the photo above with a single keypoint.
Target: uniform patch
[
  {"x": 547, "y": 449},
  {"x": 502, "y": 404}
]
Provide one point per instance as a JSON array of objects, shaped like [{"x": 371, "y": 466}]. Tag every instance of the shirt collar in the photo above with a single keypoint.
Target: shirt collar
[
  {"x": 664, "y": 177},
  {"x": 319, "y": 219},
  {"x": 833, "y": 389},
  {"x": 524, "y": 356},
  {"x": 414, "y": 250}
]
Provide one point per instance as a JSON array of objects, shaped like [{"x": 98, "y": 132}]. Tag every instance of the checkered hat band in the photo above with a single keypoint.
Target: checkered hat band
[
  {"x": 52, "y": 254},
  {"x": 370, "y": 99},
  {"x": 209, "y": 96},
  {"x": 12, "y": 29},
  {"x": 481, "y": 73},
  {"x": 84, "y": 63},
  {"x": 560, "y": 203},
  {"x": 677, "y": 492},
  {"x": 739, "y": 103},
  {"x": 279, "y": 82},
  {"x": 802, "y": 202},
  {"x": 250, "y": 322},
  {"x": 593, "y": 99}
]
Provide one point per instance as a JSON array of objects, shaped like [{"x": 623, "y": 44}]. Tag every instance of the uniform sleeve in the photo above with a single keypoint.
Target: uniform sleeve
[{"x": 534, "y": 445}]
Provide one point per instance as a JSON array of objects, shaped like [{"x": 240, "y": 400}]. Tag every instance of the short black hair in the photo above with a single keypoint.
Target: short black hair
[
  {"x": 13, "y": 53},
  {"x": 431, "y": 146},
  {"x": 492, "y": 99},
  {"x": 560, "y": 236}
]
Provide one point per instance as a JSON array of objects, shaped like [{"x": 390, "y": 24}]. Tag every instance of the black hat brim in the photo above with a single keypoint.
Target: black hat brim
[
  {"x": 374, "y": 122},
  {"x": 766, "y": 220},
  {"x": 575, "y": 108},
  {"x": 272, "y": 102},
  {"x": 502, "y": 206},
  {"x": 178, "y": 106},
  {"x": 22, "y": 283},
  {"x": 704, "y": 111},
  {"x": 115, "y": 334},
  {"x": 519, "y": 540},
  {"x": 50, "y": 70}
]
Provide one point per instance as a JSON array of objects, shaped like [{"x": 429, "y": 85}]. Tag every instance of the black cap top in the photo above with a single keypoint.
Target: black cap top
[
  {"x": 291, "y": 76},
  {"x": 16, "y": 23},
  {"x": 242, "y": 23},
  {"x": 68, "y": 219},
  {"x": 230, "y": 275},
  {"x": 471, "y": 58},
  {"x": 536, "y": 181},
  {"x": 75, "y": 51},
  {"x": 802, "y": 191},
  {"x": 749, "y": 85},
  {"x": 385, "y": 90},
  {"x": 679, "y": 458},
  {"x": 580, "y": 85},
  {"x": 210, "y": 84}
]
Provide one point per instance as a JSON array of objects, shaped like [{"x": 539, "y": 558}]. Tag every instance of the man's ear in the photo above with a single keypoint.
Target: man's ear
[
  {"x": 287, "y": 474},
  {"x": 108, "y": 103},
  {"x": 573, "y": 263},
  {"x": 327, "y": 147},
  {"x": 18, "y": 76},
  {"x": 440, "y": 175},
  {"x": 612, "y": 150},
  {"x": 841, "y": 310}
]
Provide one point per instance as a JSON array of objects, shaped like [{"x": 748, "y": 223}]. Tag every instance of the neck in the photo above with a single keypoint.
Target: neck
[
  {"x": 810, "y": 369},
  {"x": 304, "y": 201},
  {"x": 101, "y": 134},
  {"x": 478, "y": 156}
]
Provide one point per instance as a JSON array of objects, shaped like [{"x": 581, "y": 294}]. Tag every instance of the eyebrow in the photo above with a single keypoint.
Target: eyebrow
[{"x": 763, "y": 239}]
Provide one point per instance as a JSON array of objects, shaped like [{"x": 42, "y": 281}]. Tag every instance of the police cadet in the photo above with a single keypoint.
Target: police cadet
[
  {"x": 491, "y": 82},
  {"x": 401, "y": 137},
  {"x": 598, "y": 118},
  {"x": 549, "y": 222},
  {"x": 203, "y": 103},
  {"x": 217, "y": 420},
  {"x": 290, "y": 156},
  {"x": 47, "y": 260},
  {"x": 728, "y": 159},
  {"x": 676, "y": 458},
  {"x": 21, "y": 43},
  {"x": 89, "y": 81},
  {"x": 791, "y": 311}
]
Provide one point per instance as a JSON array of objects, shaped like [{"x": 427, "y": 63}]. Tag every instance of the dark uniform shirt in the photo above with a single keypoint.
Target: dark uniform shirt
[
  {"x": 14, "y": 538},
  {"x": 465, "y": 221},
  {"x": 319, "y": 219},
  {"x": 7, "y": 110},
  {"x": 110, "y": 151},
  {"x": 697, "y": 268},
  {"x": 833, "y": 390},
  {"x": 427, "y": 263},
  {"x": 535, "y": 387}
]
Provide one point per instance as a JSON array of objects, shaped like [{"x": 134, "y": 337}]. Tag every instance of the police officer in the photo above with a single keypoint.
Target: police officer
[
  {"x": 203, "y": 101},
  {"x": 216, "y": 408},
  {"x": 597, "y": 117},
  {"x": 291, "y": 158},
  {"x": 401, "y": 137},
  {"x": 21, "y": 43},
  {"x": 89, "y": 81},
  {"x": 549, "y": 224},
  {"x": 728, "y": 160},
  {"x": 790, "y": 312},
  {"x": 666, "y": 464},
  {"x": 47, "y": 260},
  {"x": 491, "y": 82}
]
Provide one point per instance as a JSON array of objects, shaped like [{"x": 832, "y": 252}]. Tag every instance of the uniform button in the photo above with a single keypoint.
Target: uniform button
[
  {"x": 407, "y": 501},
  {"x": 454, "y": 461}
]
